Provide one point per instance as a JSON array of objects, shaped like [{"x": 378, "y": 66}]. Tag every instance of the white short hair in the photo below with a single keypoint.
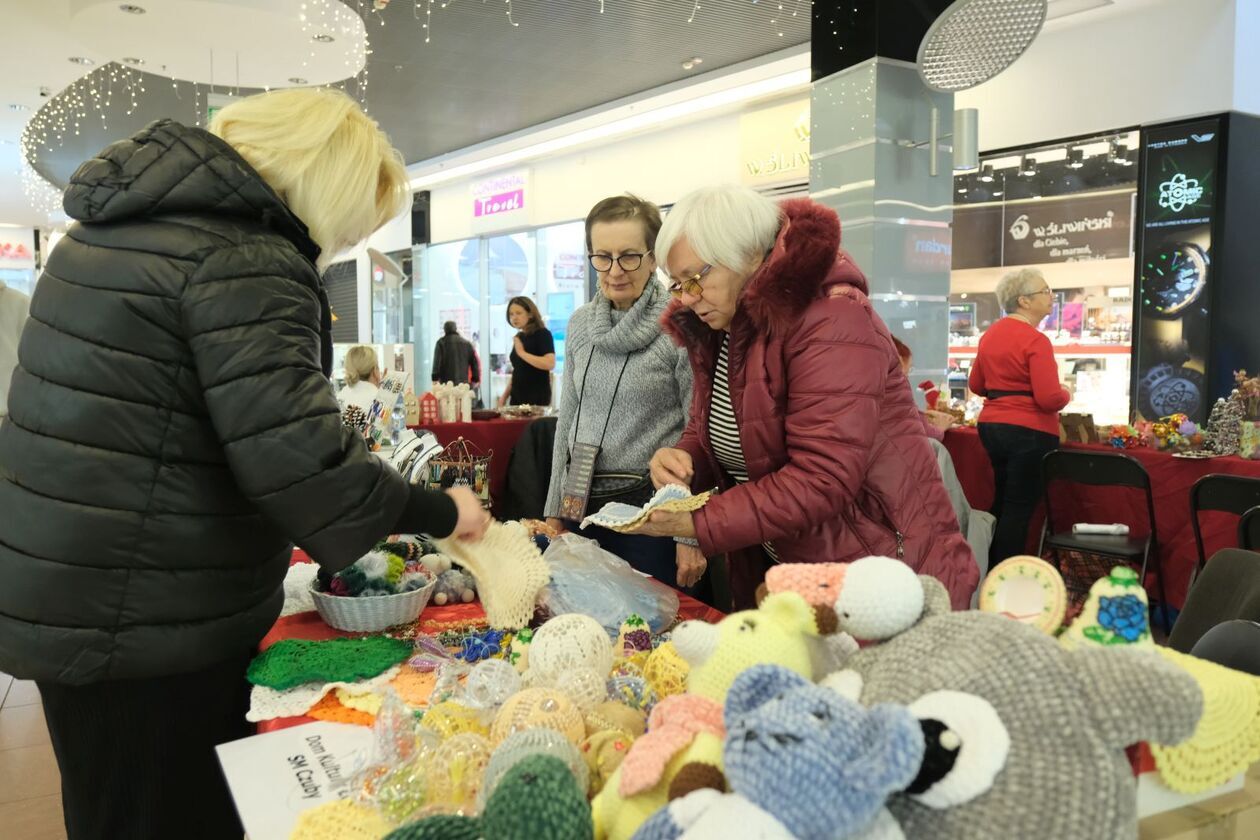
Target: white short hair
[
  {"x": 1017, "y": 284},
  {"x": 727, "y": 225}
]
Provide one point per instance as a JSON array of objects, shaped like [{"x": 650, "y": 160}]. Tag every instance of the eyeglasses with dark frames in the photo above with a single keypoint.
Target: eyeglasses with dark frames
[
  {"x": 690, "y": 285},
  {"x": 628, "y": 262}
]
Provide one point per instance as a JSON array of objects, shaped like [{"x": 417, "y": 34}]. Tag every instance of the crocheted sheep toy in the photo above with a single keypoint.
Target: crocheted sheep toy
[
  {"x": 803, "y": 763},
  {"x": 1023, "y": 738},
  {"x": 682, "y": 750},
  {"x": 538, "y": 799}
]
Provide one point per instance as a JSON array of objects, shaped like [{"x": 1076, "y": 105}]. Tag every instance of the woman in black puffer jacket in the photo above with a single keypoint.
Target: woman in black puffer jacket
[{"x": 172, "y": 432}]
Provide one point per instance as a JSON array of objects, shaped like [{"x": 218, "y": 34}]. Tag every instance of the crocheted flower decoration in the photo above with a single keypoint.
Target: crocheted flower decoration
[{"x": 1124, "y": 616}]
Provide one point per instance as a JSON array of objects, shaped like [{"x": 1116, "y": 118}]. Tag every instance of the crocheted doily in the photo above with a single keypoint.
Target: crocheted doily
[
  {"x": 297, "y": 589},
  {"x": 340, "y": 820},
  {"x": 293, "y": 662},
  {"x": 1227, "y": 740},
  {"x": 329, "y": 708},
  {"x": 266, "y": 703},
  {"x": 672, "y": 498},
  {"x": 509, "y": 570}
]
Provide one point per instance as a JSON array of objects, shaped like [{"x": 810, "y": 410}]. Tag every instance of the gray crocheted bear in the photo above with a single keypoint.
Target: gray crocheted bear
[{"x": 803, "y": 762}]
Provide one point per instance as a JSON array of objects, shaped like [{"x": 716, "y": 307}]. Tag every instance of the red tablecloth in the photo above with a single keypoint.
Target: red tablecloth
[
  {"x": 497, "y": 436},
  {"x": 309, "y": 625},
  {"x": 1171, "y": 480}
]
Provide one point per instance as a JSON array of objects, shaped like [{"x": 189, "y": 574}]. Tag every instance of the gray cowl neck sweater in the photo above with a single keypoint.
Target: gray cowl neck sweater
[{"x": 650, "y": 408}]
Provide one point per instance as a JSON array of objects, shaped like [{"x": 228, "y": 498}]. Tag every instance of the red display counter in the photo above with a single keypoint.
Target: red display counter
[{"x": 1171, "y": 480}]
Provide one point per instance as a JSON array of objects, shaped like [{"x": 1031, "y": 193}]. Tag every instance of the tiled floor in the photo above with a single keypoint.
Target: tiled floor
[{"x": 30, "y": 786}]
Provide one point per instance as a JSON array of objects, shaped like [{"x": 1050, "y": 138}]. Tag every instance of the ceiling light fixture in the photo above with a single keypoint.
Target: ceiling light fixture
[
  {"x": 986, "y": 173},
  {"x": 1075, "y": 158},
  {"x": 18, "y": 106},
  {"x": 296, "y": 80},
  {"x": 132, "y": 9},
  {"x": 1119, "y": 154},
  {"x": 1027, "y": 166},
  {"x": 692, "y": 62},
  {"x": 134, "y": 62},
  {"x": 323, "y": 38},
  {"x": 78, "y": 59}
]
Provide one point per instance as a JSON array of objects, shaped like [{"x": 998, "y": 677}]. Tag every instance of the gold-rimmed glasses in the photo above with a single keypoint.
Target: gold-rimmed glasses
[{"x": 690, "y": 285}]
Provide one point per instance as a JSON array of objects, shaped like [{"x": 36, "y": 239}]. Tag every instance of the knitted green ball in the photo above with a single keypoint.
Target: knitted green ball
[
  {"x": 439, "y": 827},
  {"x": 538, "y": 799}
]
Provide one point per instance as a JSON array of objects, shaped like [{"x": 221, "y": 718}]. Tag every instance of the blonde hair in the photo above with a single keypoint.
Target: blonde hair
[
  {"x": 727, "y": 225},
  {"x": 1016, "y": 285},
  {"x": 360, "y": 364},
  {"x": 328, "y": 161}
]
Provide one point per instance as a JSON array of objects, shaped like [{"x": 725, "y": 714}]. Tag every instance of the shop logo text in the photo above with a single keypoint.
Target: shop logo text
[{"x": 1179, "y": 192}]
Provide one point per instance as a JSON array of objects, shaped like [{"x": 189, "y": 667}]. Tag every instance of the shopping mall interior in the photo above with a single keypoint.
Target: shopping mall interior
[{"x": 979, "y": 154}]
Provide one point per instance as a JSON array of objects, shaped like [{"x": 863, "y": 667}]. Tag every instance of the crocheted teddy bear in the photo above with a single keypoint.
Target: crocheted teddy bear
[
  {"x": 1023, "y": 737},
  {"x": 803, "y": 762},
  {"x": 682, "y": 750},
  {"x": 538, "y": 799}
]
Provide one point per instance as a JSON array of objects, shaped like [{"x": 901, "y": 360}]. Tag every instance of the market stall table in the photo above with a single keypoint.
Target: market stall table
[
  {"x": 1171, "y": 480},
  {"x": 499, "y": 436},
  {"x": 308, "y": 625}
]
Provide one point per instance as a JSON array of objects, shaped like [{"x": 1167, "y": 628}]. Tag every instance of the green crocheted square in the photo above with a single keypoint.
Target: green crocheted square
[{"x": 293, "y": 662}]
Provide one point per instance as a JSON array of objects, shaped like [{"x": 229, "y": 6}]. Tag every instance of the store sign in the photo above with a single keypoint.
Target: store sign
[
  {"x": 499, "y": 203},
  {"x": 774, "y": 144},
  {"x": 1174, "y": 268},
  {"x": 1074, "y": 228},
  {"x": 17, "y": 248},
  {"x": 928, "y": 251}
]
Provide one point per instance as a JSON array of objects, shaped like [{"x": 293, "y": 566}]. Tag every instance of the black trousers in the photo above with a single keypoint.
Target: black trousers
[
  {"x": 1016, "y": 453},
  {"x": 137, "y": 756}
]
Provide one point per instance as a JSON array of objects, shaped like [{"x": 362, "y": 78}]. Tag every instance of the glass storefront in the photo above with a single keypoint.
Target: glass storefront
[{"x": 454, "y": 278}]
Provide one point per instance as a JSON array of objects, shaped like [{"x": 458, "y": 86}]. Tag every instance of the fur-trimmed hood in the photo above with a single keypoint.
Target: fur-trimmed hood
[{"x": 806, "y": 261}]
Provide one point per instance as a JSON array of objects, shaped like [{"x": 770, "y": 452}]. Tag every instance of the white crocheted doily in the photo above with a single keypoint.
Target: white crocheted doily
[
  {"x": 297, "y": 588},
  {"x": 509, "y": 570},
  {"x": 267, "y": 703}
]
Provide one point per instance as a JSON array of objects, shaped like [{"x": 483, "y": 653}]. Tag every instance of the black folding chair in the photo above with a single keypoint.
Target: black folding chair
[
  {"x": 1229, "y": 493},
  {"x": 1102, "y": 470},
  {"x": 1228, "y": 589},
  {"x": 1234, "y": 644},
  {"x": 1249, "y": 530}
]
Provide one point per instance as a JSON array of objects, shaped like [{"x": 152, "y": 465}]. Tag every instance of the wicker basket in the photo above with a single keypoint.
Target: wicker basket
[{"x": 371, "y": 614}]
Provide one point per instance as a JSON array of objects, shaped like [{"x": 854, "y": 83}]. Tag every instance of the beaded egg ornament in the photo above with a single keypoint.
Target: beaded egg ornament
[
  {"x": 538, "y": 708},
  {"x": 584, "y": 686},
  {"x": 490, "y": 683},
  {"x": 457, "y": 769},
  {"x": 521, "y": 745}
]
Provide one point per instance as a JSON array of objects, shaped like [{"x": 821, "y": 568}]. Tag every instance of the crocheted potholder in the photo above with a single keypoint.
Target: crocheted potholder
[
  {"x": 1227, "y": 740},
  {"x": 330, "y": 709},
  {"x": 370, "y": 703},
  {"x": 509, "y": 570},
  {"x": 340, "y": 820},
  {"x": 292, "y": 662},
  {"x": 672, "y": 498},
  {"x": 267, "y": 703}
]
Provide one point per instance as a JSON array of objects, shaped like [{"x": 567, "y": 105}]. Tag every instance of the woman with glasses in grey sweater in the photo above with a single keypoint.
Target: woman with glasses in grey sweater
[{"x": 626, "y": 391}]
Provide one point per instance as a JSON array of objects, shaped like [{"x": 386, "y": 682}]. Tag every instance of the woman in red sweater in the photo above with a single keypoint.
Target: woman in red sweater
[{"x": 1016, "y": 373}]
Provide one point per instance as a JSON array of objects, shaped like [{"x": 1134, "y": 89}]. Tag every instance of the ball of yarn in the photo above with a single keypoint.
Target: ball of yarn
[
  {"x": 521, "y": 745},
  {"x": 411, "y": 581},
  {"x": 457, "y": 769},
  {"x": 450, "y": 718},
  {"x": 666, "y": 671},
  {"x": 374, "y": 565},
  {"x": 394, "y": 566},
  {"x": 570, "y": 641},
  {"x": 490, "y": 683},
  {"x": 584, "y": 686},
  {"x": 538, "y": 708},
  {"x": 353, "y": 580}
]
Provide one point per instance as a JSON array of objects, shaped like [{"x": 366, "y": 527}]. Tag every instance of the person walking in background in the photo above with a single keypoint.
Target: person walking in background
[
  {"x": 172, "y": 433},
  {"x": 626, "y": 388},
  {"x": 533, "y": 356},
  {"x": 1017, "y": 374},
  {"x": 14, "y": 309},
  {"x": 455, "y": 359},
  {"x": 935, "y": 423},
  {"x": 800, "y": 413}
]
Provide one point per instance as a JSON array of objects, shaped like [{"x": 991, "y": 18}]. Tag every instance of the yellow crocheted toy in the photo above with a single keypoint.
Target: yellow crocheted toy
[
  {"x": 781, "y": 631},
  {"x": 340, "y": 820}
]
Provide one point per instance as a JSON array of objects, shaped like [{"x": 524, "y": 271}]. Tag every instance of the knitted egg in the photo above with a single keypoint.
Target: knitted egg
[
  {"x": 666, "y": 671},
  {"x": 456, "y": 770},
  {"x": 538, "y": 708},
  {"x": 490, "y": 683},
  {"x": 584, "y": 686},
  {"x": 521, "y": 745},
  {"x": 569, "y": 641},
  {"x": 449, "y": 718}
]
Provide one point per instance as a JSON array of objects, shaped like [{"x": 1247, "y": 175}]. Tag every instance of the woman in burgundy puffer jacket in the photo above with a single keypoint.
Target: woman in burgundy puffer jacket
[{"x": 800, "y": 413}]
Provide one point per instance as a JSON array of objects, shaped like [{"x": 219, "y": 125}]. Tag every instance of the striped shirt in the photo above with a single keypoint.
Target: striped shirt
[{"x": 724, "y": 432}]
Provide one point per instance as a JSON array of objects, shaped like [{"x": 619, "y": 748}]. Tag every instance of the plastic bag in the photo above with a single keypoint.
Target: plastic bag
[{"x": 589, "y": 580}]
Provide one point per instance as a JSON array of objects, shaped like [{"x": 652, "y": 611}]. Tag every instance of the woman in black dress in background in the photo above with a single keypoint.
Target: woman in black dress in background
[{"x": 533, "y": 356}]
